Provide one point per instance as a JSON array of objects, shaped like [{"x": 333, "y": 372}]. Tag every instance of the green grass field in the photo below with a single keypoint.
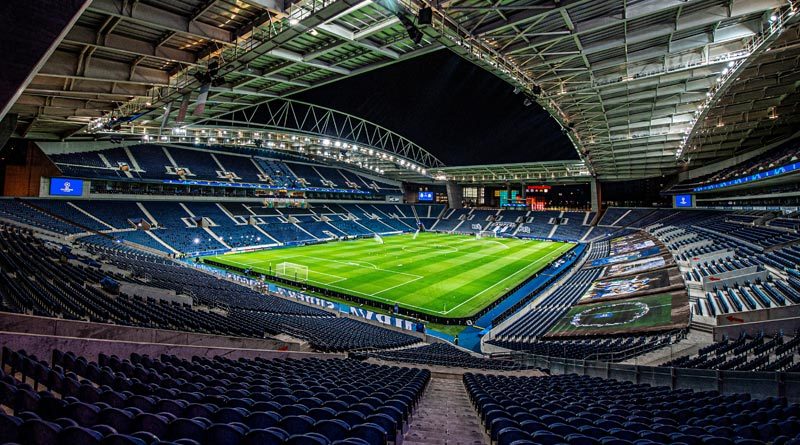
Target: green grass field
[{"x": 445, "y": 275}]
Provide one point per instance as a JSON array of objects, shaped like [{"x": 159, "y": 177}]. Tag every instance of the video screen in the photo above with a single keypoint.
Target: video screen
[
  {"x": 425, "y": 197},
  {"x": 683, "y": 200},
  {"x": 66, "y": 187}
]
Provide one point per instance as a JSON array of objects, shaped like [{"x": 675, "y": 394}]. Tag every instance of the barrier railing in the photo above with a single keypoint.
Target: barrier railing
[{"x": 758, "y": 384}]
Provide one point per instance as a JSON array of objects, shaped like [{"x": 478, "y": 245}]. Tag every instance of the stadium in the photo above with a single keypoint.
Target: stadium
[{"x": 375, "y": 222}]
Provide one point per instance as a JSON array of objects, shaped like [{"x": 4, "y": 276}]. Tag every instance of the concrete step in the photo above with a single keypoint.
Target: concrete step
[{"x": 445, "y": 417}]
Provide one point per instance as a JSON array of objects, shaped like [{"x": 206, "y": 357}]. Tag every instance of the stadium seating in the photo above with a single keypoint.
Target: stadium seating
[
  {"x": 607, "y": 349},
  {"x": 535, "y": 321},
  {"x": 158, "y": 162},
  {"x": 759, "y": 353},
  {"x": 18, "y": 212},
  {"x": 443, "y": 354},
  {"x": 205, "y": 401},
  {"x": 575, "y": 409},
  {"x": 74, "y": 294},
  {"x": 776, "y": 157}
]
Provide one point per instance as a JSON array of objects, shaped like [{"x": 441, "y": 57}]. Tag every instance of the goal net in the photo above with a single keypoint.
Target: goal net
[
  {"x": 485, "y": 234},
  {"x": 378, "y": 239},
  {"x": 292, "y": 271}
]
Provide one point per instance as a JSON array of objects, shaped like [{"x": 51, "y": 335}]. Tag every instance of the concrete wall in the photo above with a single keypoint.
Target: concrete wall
[
  {"x": 83, "y": 330},
  {"x": 43, "y": 345}
]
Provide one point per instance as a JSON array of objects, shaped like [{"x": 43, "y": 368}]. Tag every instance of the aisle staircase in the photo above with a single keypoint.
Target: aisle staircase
[{"x": 445, "y": 416}]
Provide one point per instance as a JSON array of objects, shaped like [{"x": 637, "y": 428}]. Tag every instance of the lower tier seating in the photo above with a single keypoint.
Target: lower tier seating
[
  {"x": 581, "y": 410},
  {"x": 144, "y": 400}
]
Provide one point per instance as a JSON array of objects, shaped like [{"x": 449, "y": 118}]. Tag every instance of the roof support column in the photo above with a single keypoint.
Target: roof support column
[
  {"x": 455, "y": 195},
  {"x": 32, "y": 31},
  {"x": 594, "y": 187}
]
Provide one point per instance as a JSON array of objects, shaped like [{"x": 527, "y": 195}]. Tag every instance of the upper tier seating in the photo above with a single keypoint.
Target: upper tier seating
[
  {"x": 776, "y": 157},
  {"x": 159, "y": 162},
  {"x": 579, "y": 410},
  {"x": 206, "y": 401}
]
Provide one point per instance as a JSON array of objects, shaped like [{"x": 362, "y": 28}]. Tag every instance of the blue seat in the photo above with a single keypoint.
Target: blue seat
[
  {"x": 509, "y": 435},
  {"x": 547, "y": 438},
  {"x": 79, "y": 435},
  {"x": 121, "y": 439},
  {"x": 713, "y": 440},
  {"x": 296, "y": 424},
  {"x": 307, "y": 439},
  {"x": 39, "y": 432},
  {"x": 263, "y": 437},
  {"x": 333, "y": 429},
  {"x": 262, "y": 420},
  {"x": 369, "y": 432},
  {"x": 580, "y": 439},
  {"x": 222, "y": 434},
  {"x": 9, "y": 428},
  {"x": 186, "y": 428},
  {"x": 151, "y": 423}
]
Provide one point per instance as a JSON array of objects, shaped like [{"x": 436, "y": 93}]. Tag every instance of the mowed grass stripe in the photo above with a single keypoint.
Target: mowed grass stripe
[
  {"x": 450, "y": 275},
  {"x": 477, "y": 278}
]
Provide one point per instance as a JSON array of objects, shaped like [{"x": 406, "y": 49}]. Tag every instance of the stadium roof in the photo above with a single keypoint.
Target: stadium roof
[
  {"x": 761, "y": 107},
  {"x": 551, "y": 172},
  {"x": 627, "y": 79}
]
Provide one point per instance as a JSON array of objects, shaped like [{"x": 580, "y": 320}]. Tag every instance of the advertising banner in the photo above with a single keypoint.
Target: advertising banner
[
  {"x": 627, "y": 257},
  {"x": 343, "y": 308},
  {"x": 636, "y": 266},
  {"x": 619, "y": 287}
]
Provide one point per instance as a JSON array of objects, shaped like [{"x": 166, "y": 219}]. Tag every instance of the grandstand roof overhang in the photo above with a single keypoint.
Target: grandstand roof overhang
[
  {"x": 761, "y": 107},
  {"x": 553, "y": 172},
  {"x": 124, "y": 60},
  {"x": 624, "y": 78}
]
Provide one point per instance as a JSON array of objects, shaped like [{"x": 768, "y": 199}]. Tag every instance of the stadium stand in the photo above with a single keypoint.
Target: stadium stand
[
  {"x": 193, "y": 252},
  {"x": 217, "y": 163},
  {"x": 208, "y": 401},
  {"x": 443, "y": 354},
  {"x": 581, "y": 409},
  {"x": 759, "y": 353},
  {"x": 75, "y": 294}
]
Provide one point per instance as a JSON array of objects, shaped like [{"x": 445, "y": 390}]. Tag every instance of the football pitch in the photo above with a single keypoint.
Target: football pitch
[{"x": 439, "y": 274}]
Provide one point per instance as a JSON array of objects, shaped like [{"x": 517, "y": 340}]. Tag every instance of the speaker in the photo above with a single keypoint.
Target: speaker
[{"x": 425, "y": 16}]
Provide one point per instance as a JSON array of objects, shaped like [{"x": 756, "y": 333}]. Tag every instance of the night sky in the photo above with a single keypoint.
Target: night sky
[{"x": 452, "y": 108}]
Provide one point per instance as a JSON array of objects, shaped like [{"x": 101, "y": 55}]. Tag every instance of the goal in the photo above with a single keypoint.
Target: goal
[
  {"x": 292, "y": 271},
  {"x": 485, "y": 234}
]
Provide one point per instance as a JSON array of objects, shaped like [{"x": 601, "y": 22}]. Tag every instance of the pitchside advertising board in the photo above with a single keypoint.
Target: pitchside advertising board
[
  {"x": 66, "y": 187},
  {"x": 684, "y": 200},
  {"x": 354, "y": 311}
]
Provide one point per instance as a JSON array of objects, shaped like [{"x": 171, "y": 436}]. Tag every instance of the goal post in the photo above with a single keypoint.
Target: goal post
[
  {"x": 485, "y": 234},
  {"x": 292, "y": 271}
]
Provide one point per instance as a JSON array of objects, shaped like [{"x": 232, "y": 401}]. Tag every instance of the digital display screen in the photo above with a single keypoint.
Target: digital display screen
[
  {"x": 425, "y": 196},
  {"x": 683, "y": 200},
  {"x": 66, "y": 187},
  {"x": 782, "y": 170}
]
